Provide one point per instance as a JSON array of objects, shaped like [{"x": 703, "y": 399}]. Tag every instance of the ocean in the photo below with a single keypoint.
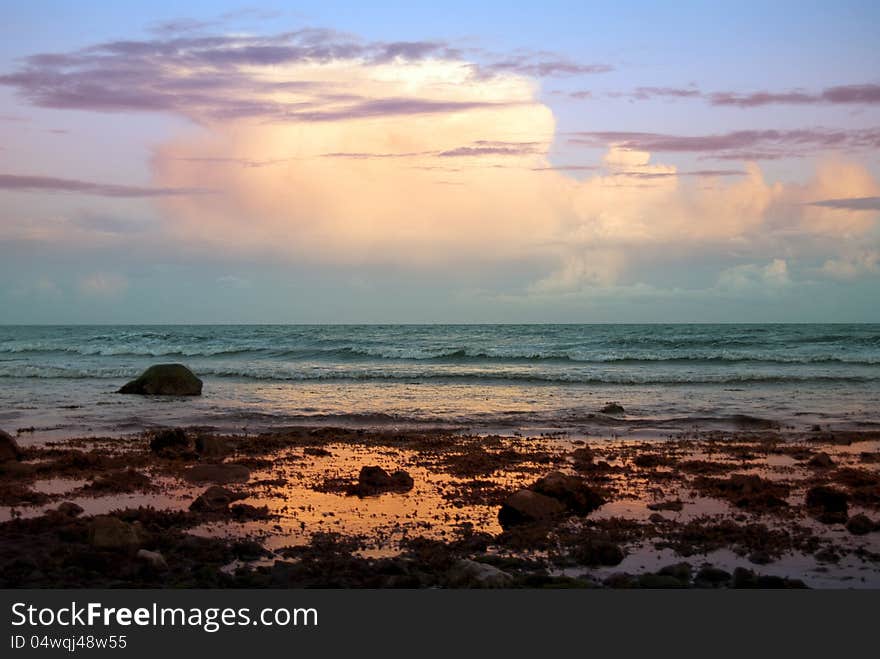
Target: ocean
[{"x": 61, "y": 380}]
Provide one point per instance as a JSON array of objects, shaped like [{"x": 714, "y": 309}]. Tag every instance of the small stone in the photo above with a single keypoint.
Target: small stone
[
  {"x": 681, "y": 571},
  {"x": 760, "y": 558},
  {"x": 827, "y": 503},
  {"x": 107, "y": 532},
  {"x": 861, "y": 525},
  {"x": 154, "y": 558},
  {"x": 821, "y": 461},
  {"x": 673, "y": 506},
  {"x": 598, "y": 552},
  {"x": 170, "y": 443},
  {"x": 526, "y": 507},
  {"x": 712, "y": 577},
  {"x": 374, "y": 480},
  {"x": 215, "y": 499},
  {"x": 210, "y": 446},
  {"x": 9, "y": 449},
  {"x": 466, "y": 573},
  {"x": 571, "y": 491},
  {"x": 69, "y": 509}
]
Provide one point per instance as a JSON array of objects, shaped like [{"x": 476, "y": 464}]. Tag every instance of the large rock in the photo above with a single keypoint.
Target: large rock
[
  {"x": 471, "y": 574},
  {"x": 217, "y": 473},
  {"x": 571, "y": 491},
  {"x": 106, "y": 532},
  {"x": 9, "y": 449},
  {"x": 527, "y": 507},
  {"x": 165, "y": 380}
]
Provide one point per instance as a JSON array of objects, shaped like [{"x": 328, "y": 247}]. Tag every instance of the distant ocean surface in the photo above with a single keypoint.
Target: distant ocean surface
[{"x": 63, "y": 378}]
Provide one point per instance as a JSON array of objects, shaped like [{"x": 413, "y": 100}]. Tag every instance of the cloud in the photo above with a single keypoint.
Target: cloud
[
  {"x": 591, "y": 269},
  {"x": 856, "y": 204},
  {"x": 103, "y": 284},
  {"x": 843, "y": 94},
  {"x": 218, "y": 77},
  {"x": 42, "y": 286},
  {"x": 328, "y": 150},
  {"x": 544, "y": 64},
  {"x": 754, "y": 277},
  {"x": 493, "y": 148},
  {"x": 866, "y": 262},
  {"x": 233, "y": 282},
  {"x": 18, "y": 183},
  {"x": 865, "y": 94},
  {"x": 766, "y": 143}
]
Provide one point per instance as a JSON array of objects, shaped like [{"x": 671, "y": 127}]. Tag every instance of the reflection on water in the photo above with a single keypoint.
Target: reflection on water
[{"x": 58, "y": 408}]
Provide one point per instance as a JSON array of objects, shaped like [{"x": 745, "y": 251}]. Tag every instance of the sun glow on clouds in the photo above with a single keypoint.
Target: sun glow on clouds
[
  {"x": 455, "y": 168},
  {"x": 375, "y": 158}
]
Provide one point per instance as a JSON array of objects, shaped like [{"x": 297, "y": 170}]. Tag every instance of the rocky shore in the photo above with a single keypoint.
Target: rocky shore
[{"x": 308, "y": 507}]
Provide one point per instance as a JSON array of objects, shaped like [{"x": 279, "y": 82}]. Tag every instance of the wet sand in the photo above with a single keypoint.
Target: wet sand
[{"x": 751, "y": 507}]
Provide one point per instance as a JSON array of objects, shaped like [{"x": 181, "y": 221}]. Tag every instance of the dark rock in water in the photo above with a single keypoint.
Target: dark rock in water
[
  {"x": 209, "y": 446},
  {"x": 712, "y": 577},
  {"x": 106, "y": 532},
  {"x": 821, "y": 461},
  {"x": 69, "y": 509},
  {"x": 215, "y": 499},
  {"x": 672, "y": 506},
  {"x": 527, "y": 507},
  {"x": 571, "y": 491},
  {"x": 375, "y": 480},
  {"x": 827, "y": 503},
  {"x": 217, "y": 473},
  {"x": 861, "y": 525},
  {"x": 165, "y": 380},
  {"x": 612, "y": 408},
  {"x": 9, "y": 449},
  {"x": 598, "y": 552}
]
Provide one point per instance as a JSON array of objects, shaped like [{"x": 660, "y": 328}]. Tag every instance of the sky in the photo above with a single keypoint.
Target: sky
[{"x": 456, "y": 162}]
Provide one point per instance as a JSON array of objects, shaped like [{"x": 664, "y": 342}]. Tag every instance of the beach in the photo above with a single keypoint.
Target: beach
[{"x": 452, "y": 456}]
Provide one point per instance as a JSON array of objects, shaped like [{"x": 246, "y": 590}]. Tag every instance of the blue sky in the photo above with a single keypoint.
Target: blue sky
[{"x": 463, "y": 162}]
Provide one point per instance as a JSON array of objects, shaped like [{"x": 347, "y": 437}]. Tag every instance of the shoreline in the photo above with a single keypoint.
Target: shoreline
[{"x": 726, "y": 502}]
